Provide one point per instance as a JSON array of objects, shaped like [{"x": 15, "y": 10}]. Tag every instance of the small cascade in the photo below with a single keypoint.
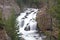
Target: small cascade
[{"x": 27, "y": 25}]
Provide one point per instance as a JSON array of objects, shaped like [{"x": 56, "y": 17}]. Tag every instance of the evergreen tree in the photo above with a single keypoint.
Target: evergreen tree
[
  {"x": 11, "y": 26},
  {"x": 58, "y": 16}
]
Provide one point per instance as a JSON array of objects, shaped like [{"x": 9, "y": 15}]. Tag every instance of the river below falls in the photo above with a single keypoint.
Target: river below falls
[{"x": 28, "y": 25}]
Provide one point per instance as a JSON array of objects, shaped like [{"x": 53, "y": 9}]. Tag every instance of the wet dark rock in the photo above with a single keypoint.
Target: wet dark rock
[
  {"x": 32, "y": 11},
  {"x": 28, "y": 24},
  {"x": 23, "y": 18},
  {"x": 22, "y": 23},
  {"x": 37, "y": 38},
  {"x": 22, "y": 38},
  {"x": 34, "y": 36},
  {"x": 20, "y": 34},
  {"x": 27, "y": 14},
  {"x": 27, "y": 28}
]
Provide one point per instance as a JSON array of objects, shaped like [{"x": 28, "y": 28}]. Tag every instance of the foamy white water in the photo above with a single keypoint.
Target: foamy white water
[{"x": 27, "y": 24}]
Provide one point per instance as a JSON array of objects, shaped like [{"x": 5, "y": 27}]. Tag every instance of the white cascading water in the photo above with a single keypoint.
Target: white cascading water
[{"x": 27, "y": 24}]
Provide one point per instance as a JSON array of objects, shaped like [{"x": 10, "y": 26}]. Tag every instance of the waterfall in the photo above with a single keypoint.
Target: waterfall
[{"x": 27, "y": 25}]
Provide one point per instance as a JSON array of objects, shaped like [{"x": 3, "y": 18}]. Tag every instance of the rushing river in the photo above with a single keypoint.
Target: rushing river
[{"x": 28, "y": 25}]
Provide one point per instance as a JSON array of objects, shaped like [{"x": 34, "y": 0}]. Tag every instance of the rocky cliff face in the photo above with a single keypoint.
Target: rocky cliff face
[
  {"x": 6, "y": 6},
  {"x": 44, "y": 23},
  {"x": 41, "y": 18},
  {"x": 3, "y": 35}
]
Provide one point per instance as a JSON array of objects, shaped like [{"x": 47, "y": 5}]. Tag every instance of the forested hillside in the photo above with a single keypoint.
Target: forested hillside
[{"x": 48, "y": 17}]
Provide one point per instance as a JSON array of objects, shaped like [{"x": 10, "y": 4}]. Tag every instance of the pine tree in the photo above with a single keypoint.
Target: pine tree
[
  {"x": 11, "y": 26},
  {"x": 58, "y": 16}
]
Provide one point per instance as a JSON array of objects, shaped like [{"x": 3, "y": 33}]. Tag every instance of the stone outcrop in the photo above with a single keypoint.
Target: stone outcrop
[
  {"x": 41, "y": 16},
  {"x": 46, "y": 23},
  {"x": 3, "y": 34},
  {"x": 6, "y": 6}
]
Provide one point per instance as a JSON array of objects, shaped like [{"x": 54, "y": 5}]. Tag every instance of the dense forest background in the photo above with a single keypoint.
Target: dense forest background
[{"x": 53, "y": 9}]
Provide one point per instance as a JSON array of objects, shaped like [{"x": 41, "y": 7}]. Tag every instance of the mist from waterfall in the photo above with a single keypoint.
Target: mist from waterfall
[{"x": 28, "y": 25}]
